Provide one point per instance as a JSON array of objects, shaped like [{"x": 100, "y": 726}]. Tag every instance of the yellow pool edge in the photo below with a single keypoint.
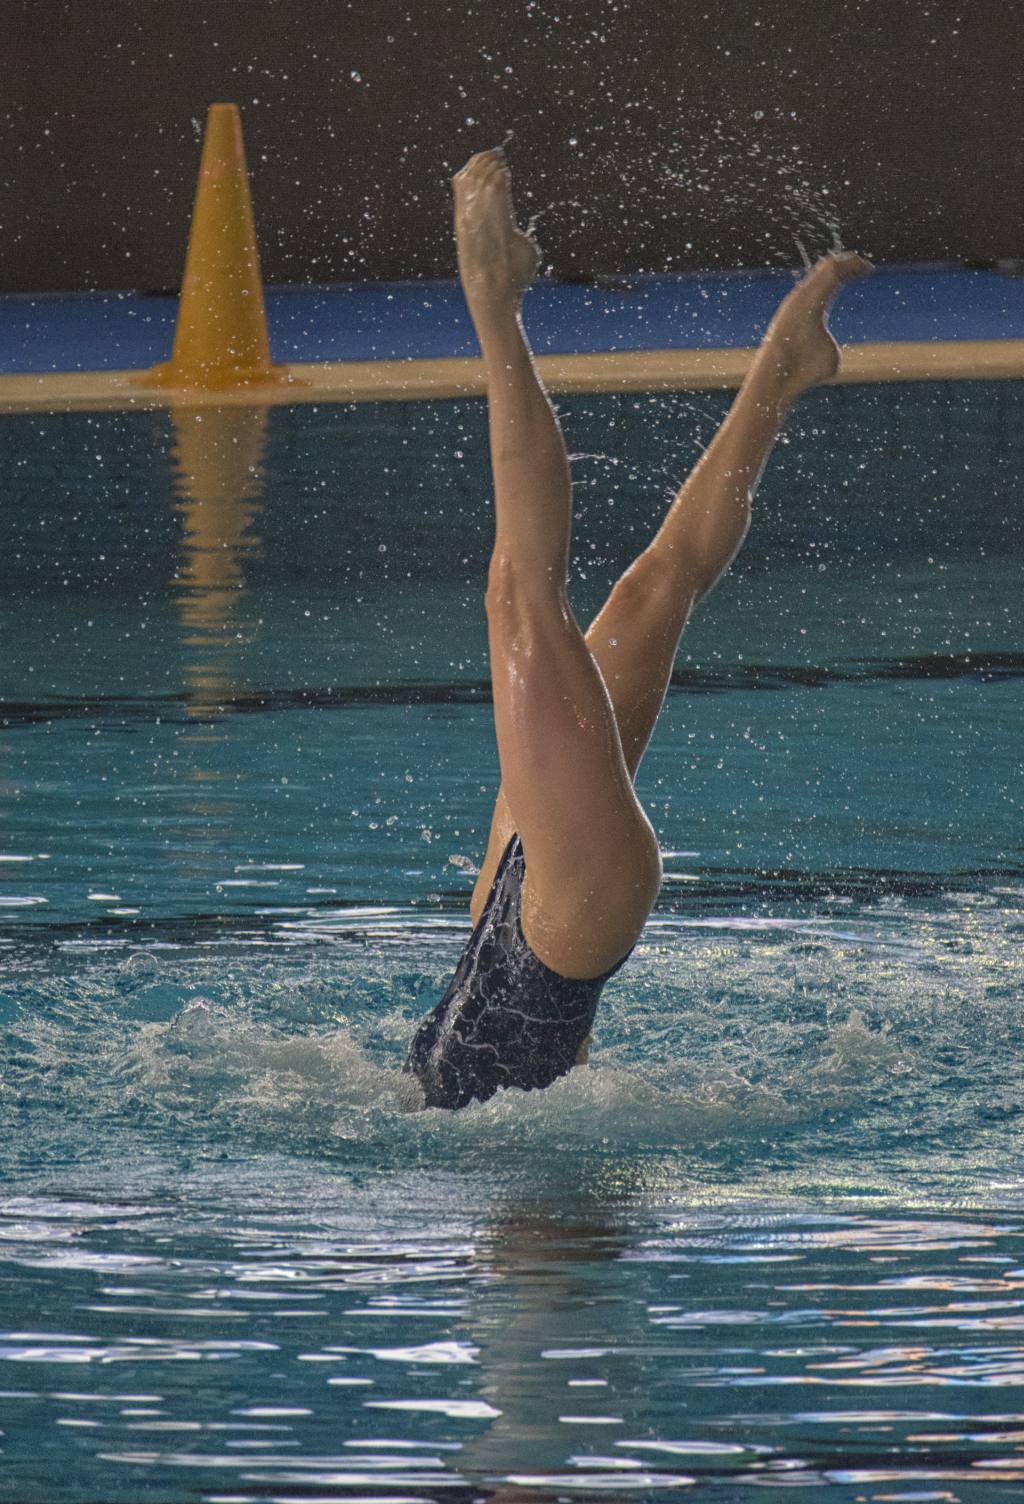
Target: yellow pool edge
[{"x": 409, "y": 380}]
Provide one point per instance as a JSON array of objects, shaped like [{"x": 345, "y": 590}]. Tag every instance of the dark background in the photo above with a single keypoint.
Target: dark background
[{"x": 649, "y": 134}]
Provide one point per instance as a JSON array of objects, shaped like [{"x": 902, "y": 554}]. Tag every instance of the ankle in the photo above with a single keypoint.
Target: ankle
[
  {"x": 496, "y": 319},
  {"x": 771, "y": 382}
]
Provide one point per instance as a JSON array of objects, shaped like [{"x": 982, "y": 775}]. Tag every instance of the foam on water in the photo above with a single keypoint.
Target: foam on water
[{"x": 801, "y": 1048}]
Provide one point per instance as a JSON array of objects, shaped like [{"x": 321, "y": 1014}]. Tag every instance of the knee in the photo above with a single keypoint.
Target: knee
[
  {"x": 501, "y": 581},
  {"x": 501, "y": 597},
  {"x": 517, "y": 590},
  {"x": 656, "y": 593},
  {"x": 647, "y": 580}
]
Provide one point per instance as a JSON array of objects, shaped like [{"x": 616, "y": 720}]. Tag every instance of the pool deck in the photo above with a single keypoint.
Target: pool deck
[{"x": 373, "y": 341}]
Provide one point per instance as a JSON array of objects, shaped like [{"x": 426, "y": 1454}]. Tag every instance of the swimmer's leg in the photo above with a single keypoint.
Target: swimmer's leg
[
  {"x": 592, "y": 864},
  {"x": 634, "y": 637}
]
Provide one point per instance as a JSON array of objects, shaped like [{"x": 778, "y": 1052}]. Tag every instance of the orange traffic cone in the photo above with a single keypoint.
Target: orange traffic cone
[{"x": 221, "y": 337}]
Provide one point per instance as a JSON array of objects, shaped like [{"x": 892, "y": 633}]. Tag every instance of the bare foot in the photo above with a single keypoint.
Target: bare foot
[
  {"x": 497, "y": 260},
  {"x": 797, "y": 341}
]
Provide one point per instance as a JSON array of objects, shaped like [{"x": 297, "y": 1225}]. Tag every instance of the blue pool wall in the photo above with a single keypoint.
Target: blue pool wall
[{"x": 42, "y": 333}]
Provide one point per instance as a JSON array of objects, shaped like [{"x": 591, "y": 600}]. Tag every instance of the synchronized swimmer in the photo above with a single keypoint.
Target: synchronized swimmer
[{"x": 572, "y": 867}]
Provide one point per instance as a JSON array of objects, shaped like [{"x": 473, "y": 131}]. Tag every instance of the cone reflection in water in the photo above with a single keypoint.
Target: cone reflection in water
[
  {"x": 221, "y": 337},
  {"x": 218, "y": 455}
]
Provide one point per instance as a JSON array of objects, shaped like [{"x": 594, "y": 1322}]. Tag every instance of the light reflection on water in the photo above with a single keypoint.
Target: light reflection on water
[
  {"x": 545, "y": 1344},
  {"x": 218, "y": 459}
]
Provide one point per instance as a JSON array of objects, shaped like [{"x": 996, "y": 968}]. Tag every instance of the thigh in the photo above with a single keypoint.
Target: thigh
[
  {"x": 633, "y": 641},
  {"x": 592, "y": 864}
]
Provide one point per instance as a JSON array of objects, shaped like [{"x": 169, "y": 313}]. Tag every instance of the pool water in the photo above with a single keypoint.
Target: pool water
[{"x": 771, "y": 1237}]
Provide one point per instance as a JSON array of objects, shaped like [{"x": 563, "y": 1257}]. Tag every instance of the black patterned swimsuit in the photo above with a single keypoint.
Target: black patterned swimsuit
[{"x": 506, "y": 1018}]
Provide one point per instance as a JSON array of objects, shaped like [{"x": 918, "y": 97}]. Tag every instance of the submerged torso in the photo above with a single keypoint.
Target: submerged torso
[{"x": 506, "y": 1018}]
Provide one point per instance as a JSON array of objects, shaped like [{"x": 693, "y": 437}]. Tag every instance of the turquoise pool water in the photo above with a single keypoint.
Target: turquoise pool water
[{"x": 772, "y": 1237}]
